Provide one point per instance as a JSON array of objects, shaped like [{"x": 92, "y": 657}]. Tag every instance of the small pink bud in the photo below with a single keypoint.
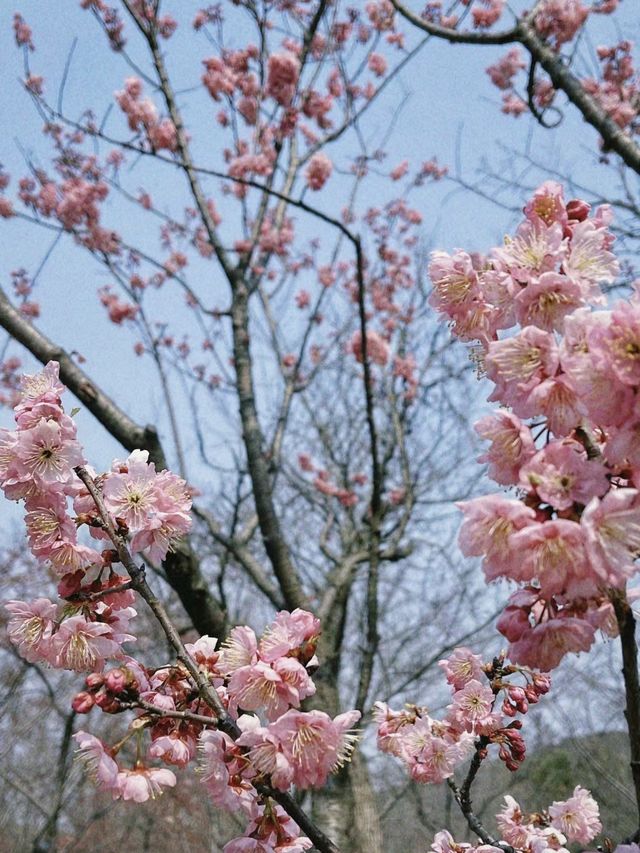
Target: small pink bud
[
  {"x": 532, "y": 694},
  {"x": 116, "y": 680},
  {"x": 542, "y": 683},
  {"x": 82, "y": 703},
  {"x": 578, "y": 209},
  {"x": 94, "y": 680}
]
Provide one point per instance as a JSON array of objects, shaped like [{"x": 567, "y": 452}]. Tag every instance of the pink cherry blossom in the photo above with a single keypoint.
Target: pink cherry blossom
[
  {"x": 377, "y": 348},
  {"x": 143, "y": 783},
  {"x": 554, "y": 554},
  {"x": 518, "y": 364},
  {"x": 455, "y": 281},
  {"x": 45, "y": 453},
  {"x": 486, "y": 532},
  {"x": 100, "y": 764},
  {"x": 174, "y": 749},
  {"x": 560, "y": 20},
  {"x": 282, "y": 77},
  {"x": 510, "y": 823},
  {"x": 275, "y": 688},
  {"x": 240, "y": 649},
  {"x": 537, "y": 248},
  {"x": 561, "y": 474},
  {"x": 84, "y": 646},
  {"x": 377, "y": 64},
  {"x": 132, "y": 495},
  {"x": 544, "y": 646},
  {"x": 578, "y": 817},
  {"x": 511, "y": 447},
  {"x": 589, "y": 261},
  {"x": 619, "y": 342},
  {"x": 314, "y": 744},
  {"x": 318, "y": 171},
  {"x": 547, "y": 203},
  {"x": 287, "y": 633},
  {"x": 31, "y": 627},
  {"x": 472, "y": 704},
  {"x": 612, "y": 534},
  {"x": 546, "y": 301},
  {"x": 461, "y": 667}
]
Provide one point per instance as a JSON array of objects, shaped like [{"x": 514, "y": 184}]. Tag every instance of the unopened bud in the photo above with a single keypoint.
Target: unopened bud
[
  {"x": 531, "y": 694},
  {"x": 508, "y": 709},
  {"x": 578, "y": 209},
  {"x": 542, "y": 683},
  {"x": 83, "y": 702},
  {"x": 94, "y": 680},
  {"x": 103, "y": 699},
  {"x": 116, "y": 680}
]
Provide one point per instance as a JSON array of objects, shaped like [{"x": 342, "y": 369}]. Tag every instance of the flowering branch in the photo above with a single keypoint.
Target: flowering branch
[
  {"x": 524, "y": 32},
  {"x": 181, "y": 565}
]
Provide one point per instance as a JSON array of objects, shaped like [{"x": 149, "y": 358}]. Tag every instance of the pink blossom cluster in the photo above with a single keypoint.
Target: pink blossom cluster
[
  {"x": 576, "y": 819},
  {"x": 152, "y": 507},
  {"x": 10, "y": 373},
  {"x": 559, "y": 21},
  {"x": 271, "y": 831},
  {"x": 378, "y": 350},
  {"x": 23, "y": 33},
  {"x": 138, "y": 784},
  {"x": 230, "y": 73},
  {"x": 618, "y": 92},
  {"x": 37, "y": 462},
  {"x": 484, "y": 704},
  {"x": 117, "y": 309},
  {"x": 78, "y": 636},
  {"x": 209, "y": 15},
  {"x": 570, "y": 535},
  {"x": 318, "y": 171},
  {"x": 486, "y": 13},
  {"x": 282, "y": 77},
  {"x": 262, "y": 683},
  {"x": 142, "y": 116},
  {"x": 74, "y": 202},
  {"x": 111, "y": 21}
]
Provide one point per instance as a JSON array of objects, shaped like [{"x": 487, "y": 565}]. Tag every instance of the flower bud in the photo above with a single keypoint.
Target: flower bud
[
  {"x": 116, "y": 680},
  {"x": 542, "y": 683},
  {"x": 578, "y": 209},
  {"x": 531, "y": 694},
  {"x": 105, "y": 701},
  {"x": 82, "y": 702},
  {"x": 508, "y": 709},
  {"x": 94, "y": 680}
]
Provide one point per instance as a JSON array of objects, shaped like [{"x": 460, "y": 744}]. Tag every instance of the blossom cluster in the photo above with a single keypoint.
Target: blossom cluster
[
  {"x": 261, "y": 683},
  {"x": 558, "y": 23},
  {"x": 566, "y": 376},
  {"x": 576, "y": 819},
  {"x": 484, "y": 704},
  {"x": 37, "y": 466},
  {"x": 142, "y": 116}
]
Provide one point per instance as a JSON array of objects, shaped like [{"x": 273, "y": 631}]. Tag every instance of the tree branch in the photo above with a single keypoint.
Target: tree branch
[{"x": 627, "y": 627}]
